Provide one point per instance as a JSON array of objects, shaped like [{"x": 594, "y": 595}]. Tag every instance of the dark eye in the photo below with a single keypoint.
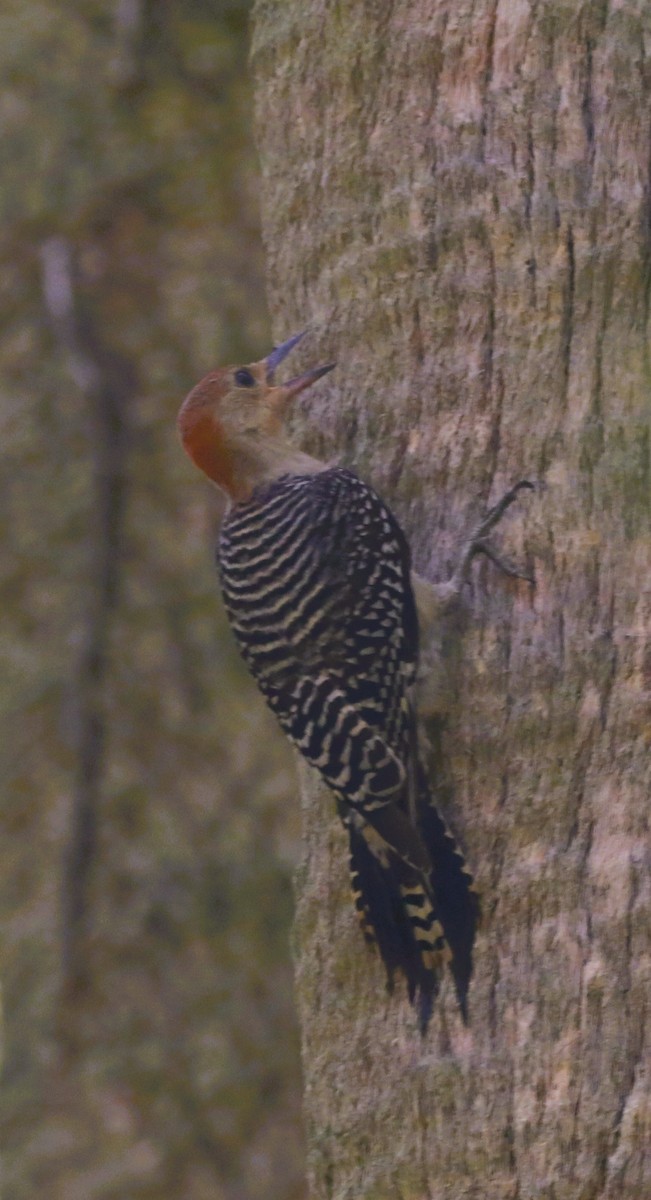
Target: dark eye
[{"x": 244, "y": 378}]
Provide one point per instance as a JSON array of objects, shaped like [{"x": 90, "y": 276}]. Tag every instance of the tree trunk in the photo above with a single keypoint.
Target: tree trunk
[{"x": 457, "y": 201}]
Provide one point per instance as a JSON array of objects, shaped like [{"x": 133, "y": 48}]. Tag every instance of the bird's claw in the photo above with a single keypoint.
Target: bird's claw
[
  {"x": 495, "y": 514},
  {"x": 478, "y": 543},
  {"x": 482, "y": 546}
]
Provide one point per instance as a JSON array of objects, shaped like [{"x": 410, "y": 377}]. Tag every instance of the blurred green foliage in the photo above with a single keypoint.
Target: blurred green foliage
[{"x": 160, "y": 1058}]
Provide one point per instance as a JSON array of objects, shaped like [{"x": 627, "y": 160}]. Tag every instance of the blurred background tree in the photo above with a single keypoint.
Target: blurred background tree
[{"x": 151, "y": 1049}]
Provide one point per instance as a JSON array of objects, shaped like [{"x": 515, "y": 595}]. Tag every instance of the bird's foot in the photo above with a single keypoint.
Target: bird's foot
[
  {"x": 434, "y": 599},
  {"x": 438, "y": 601},
  {"x": 478, "y": 542}
]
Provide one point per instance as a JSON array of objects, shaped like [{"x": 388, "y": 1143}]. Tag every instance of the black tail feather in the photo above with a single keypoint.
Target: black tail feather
[
  {"x": 381, "y": 905},
  {"x": 457, "y": 902},
  {"x": 417, "y": 925}
]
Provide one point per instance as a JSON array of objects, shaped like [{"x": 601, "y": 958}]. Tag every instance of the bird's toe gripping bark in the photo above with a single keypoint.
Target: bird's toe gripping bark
[{"x": 478, "y": 543}]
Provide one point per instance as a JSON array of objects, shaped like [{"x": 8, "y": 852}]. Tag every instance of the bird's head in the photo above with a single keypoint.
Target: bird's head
[{"x": 231, "y": 418}]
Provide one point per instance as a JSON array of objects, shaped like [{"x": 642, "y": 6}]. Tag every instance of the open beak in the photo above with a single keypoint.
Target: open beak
[{"x": 295, "y": 385}]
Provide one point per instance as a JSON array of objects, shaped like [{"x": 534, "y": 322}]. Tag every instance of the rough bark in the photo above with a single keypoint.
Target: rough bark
[{"x": 457, "y": 200}]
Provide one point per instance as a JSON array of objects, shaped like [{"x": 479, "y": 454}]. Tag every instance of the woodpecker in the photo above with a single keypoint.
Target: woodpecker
[{"x": 316, "y": 577}]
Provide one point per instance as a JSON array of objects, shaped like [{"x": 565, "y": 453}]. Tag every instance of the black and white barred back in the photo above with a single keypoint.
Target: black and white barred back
[{"x": 315, "y": 572}]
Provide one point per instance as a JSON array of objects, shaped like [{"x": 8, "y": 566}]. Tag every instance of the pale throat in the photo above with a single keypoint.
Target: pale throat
[{"x": 259, "y": 459}]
